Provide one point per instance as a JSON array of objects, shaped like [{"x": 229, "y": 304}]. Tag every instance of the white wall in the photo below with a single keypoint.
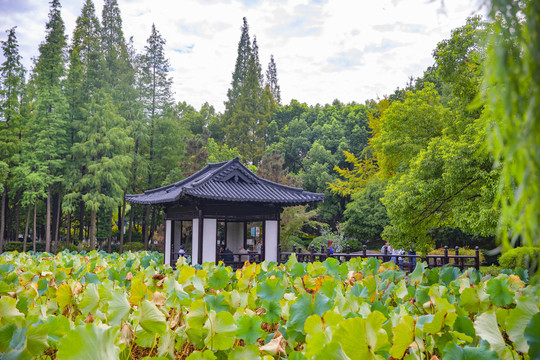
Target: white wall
[
  {"x": 271, "y": 240},
  {"x": 209, "y": 240},
  {"x": 168, "y": 241},
  {"x": 195, "y": 242},
  {"x": 235, "y": 236}
]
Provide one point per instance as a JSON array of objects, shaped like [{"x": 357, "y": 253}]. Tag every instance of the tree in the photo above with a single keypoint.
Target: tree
[
  {"x": 156, "y": 96},
  {"x": 513, "y": 95},
  {"x": 49, "y": 137},
  {"x": 120, "y": 76},
  {"x": 103, "y": 146},
  {"x": 272, "y": 80},
  {"x": 11, "y": 91},
  {"x": 452, "y": 183},
  {"x": 365, "y": 215},
  {"x": 408, "y": 126},
  {"x": 249, "y": 105}
]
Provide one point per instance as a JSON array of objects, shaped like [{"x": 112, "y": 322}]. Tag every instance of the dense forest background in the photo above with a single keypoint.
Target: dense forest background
[{"x": 94, "y": 120}]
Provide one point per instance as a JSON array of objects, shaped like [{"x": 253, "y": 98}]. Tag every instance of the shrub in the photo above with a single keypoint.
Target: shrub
[
  {"x": 72, "y": 247},
  {"x": 524, "y": 257},
  {"x": 14, "y": 246},
  {"x": 492, "y": 270},
  {"x": 133, "y": 246}
]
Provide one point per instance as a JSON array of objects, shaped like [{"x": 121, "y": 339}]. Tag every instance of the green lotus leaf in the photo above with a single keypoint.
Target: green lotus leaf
[
  {"x": 532, "y": 335},
  {"x": 361, "y": 338},
  {"x": 499, "y": 291},
  {"x": 331, "y": 351},
  {"x": 249, "y": 352},
  {"x": 270, "y": 290},
  {"x": 9, "y": 312},
  {"x": 453, "y": 352},
  {"x": 403, "y": 336},
  {"x": 166, "y": 344},
  {"x": 273, "y": 312},
  {"x": 221, "y": 330},
  {"x": 6, "y": 334},
  {"x": 200, "y": 355},
  {"x": 517, "y": 321},
  {"x": 118, "y": 308},
  {"x": 89, "y": 300},
  {"x": 249, "y": 328},
  {"x": 151, "y": 319},
  {"x": 217, "y": 303},
  {"x": 487, "y": 328},
  {"x": 89, "y": 342},
  {"x": 219, "y": 278}
]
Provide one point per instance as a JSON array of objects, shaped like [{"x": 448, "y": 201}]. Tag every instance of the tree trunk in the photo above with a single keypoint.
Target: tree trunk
[
  {"x": 92, "y": 232},
  {"x": 34, "y": 232},
  {"x": 26, "y": 227},
  {"x": 3, "y": 219},
  {"x": 121, "y": 225},
  {"x": 58, "y": 216},
  {"x": 48, "y": 221},
  {"x": 17, "y": 216},
  {"x": 68, "y": 232},
  {"x": 81, "y": 222}
]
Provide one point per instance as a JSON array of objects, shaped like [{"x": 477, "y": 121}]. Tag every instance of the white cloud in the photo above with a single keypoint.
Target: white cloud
[{"x": 352, "y": 50}]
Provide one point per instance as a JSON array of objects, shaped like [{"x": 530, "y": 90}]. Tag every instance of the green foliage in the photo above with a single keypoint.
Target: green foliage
[
  {"x": 523, "y": 257},
  {"x": 513, "y": 96},
  {"x": 365, "y": 215},
  {"x": 101, "y": 305},
  {"x": 133, "y": 246}
]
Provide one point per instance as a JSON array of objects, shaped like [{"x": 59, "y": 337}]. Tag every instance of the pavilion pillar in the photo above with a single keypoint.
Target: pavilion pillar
[
  {"x": 168, "y": 238},
  {"x": 195, "y": 242},
  {"x": 271, "y": 240},
  {"x": 209, "y": 240}
]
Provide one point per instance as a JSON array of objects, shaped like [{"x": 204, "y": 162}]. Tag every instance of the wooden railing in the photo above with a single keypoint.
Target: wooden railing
[
  {"x": 432, "y": 261},
  {"x": 408, "y": 263}
]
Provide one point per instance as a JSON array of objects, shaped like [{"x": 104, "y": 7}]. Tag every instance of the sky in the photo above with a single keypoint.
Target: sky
[{"x": 350, "y": 50}]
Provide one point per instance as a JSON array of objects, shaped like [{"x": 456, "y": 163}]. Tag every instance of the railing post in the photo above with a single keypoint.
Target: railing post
[
  {"x": 348, "y": 251},
  {"x": 278, "y": 253},
  {"x": 446, "y": 261},
  {"x": 294, "y": 248},
  {"x": 477, "y": 258},
  {"x": 312, "y": 250},
  {"x": 385, "y": 254},
  {"x": 456, "y": 260},
  {"x": 364, "y": 251},
  {"x": 323, "y": 252}
]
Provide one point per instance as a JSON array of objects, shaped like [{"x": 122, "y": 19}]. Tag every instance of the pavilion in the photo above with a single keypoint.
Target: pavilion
[{"x": 212, "y": 209}]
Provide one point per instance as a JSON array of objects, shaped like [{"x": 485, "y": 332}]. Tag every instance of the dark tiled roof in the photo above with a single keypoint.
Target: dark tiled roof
[{"x": 227, "y": 181}]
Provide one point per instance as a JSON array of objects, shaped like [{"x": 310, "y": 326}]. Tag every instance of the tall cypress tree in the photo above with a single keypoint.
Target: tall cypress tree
[
  {"x": 156, "y": 95},
  {"x": 49, "y": 142},
  {"x": 272, "y": 80},
  {"x": 121, "y": 79},
  {"x": 102, "y": 137},
  {"x": 11, "y": 92},
  {"x": 249, "y": 105},
  {"x": 240, "y": 70}
]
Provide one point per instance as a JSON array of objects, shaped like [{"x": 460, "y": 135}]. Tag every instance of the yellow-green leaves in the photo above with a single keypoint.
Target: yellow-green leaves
[
  {"x": 403, "y": 336},
  {"x": 89, "y": 342},
  {"x": 221, "y": 331},
  {"x": 151, "y": 319}
]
